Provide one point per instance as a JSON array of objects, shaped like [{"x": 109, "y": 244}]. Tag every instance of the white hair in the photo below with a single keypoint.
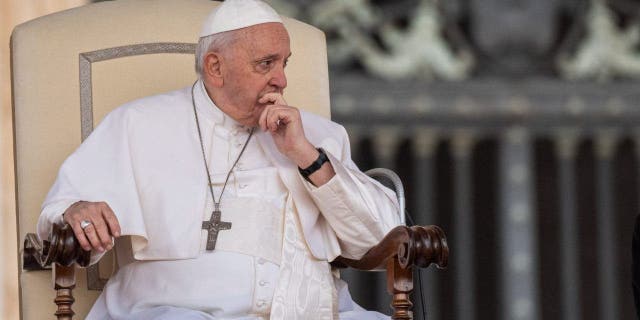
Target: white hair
[{"x": 216, "y": 42}]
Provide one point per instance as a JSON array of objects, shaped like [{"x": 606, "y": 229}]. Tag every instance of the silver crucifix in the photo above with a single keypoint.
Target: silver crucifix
[{"x": 213, "y": 226}]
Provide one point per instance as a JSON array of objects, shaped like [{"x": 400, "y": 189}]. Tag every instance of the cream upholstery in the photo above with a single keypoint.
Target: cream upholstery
[{"x": 51, "y": 54}]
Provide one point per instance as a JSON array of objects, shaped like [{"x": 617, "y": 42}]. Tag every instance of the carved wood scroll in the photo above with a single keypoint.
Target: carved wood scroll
[
  {"x": 62, "y": 252},
  {"x": 61, "y": 248},
  {"x": 399, "y": 251}
]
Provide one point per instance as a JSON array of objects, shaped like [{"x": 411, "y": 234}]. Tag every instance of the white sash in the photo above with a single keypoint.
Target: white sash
[
  {"x": 251, "y": 205},
  {"x": 305, "y": 289},
  {"x": 256, "y": 229}
]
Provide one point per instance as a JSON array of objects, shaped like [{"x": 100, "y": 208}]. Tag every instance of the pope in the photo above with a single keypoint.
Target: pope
[{"x": 233, "y": 202}]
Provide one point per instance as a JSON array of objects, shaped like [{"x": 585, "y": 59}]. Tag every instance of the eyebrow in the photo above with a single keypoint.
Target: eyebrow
[{"x": 271, "y": 57}]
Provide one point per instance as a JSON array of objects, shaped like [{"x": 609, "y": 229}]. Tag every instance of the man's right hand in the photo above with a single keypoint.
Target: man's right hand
[{"x": 100, "y": 224}]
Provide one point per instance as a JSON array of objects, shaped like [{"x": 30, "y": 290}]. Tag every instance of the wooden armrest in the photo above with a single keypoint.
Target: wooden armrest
[
  {"x": 400, "y": 250},
  {"x": 61, "y": 248},
  {"x": 418, "y": 246},
  {"x": 62, "y": 252}
]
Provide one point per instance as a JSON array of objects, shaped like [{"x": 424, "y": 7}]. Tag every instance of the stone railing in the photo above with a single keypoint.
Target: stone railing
[{"x": 535, "y": 183}]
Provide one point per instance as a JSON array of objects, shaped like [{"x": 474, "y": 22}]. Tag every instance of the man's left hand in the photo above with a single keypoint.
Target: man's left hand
[{"x": 285, "y": 125}]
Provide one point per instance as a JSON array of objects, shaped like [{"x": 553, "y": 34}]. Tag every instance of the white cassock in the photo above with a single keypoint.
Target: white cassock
[{"x": 145, "y": 161}]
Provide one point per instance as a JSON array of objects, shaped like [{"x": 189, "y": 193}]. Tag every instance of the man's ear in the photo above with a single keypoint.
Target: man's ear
[{"x": 212, "y": 68}]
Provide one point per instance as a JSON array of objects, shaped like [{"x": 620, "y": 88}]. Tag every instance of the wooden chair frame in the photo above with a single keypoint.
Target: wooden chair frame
[{"x": 402, "y": 249}]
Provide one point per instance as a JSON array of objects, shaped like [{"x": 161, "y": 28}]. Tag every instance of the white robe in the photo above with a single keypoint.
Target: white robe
[{"x": 144, "y": 160}]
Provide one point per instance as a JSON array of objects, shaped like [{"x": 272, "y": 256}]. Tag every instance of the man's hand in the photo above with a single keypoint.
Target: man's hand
[
  {"x": 285, "y": 125},
  {"x": 103, "y": 224}
]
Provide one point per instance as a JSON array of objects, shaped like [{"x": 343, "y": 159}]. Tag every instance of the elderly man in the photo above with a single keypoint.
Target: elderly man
[{"x": 234, "y": 201}]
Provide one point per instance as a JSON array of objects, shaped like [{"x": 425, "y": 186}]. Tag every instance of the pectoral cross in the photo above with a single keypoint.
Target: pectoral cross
[{"x": 213, "y": 226}]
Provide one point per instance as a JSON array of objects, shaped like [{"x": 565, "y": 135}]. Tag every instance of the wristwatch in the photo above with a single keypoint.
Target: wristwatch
[{"x": 315, "y": 166}]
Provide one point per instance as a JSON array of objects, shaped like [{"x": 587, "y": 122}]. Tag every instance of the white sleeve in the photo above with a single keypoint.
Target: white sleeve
[
  {"x": 360, "y": 210},
  {"x": 99, "y": 170}
]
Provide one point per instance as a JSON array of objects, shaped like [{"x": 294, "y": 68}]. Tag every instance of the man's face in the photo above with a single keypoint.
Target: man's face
[{"x": 253, "y": 67}]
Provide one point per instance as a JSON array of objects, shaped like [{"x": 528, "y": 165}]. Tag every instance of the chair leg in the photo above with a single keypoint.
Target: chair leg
[
  {"x": 65, "y": 281},
  {"x": 400, "y": 286}
]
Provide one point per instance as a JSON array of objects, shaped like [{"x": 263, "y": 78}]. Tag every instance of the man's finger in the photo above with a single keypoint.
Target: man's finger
[
  {"x": 262, "y": 121},
  {"x": 273, "y": 116},
  {"x": 273, "y": 98},
  {"x": 268, "y": 117},
  {"x": 82, "y": 238},
  {"x": 112, "y": 220},
  {"x": 278, "y": 116},
  {"x": 103, "y": 233},
  {"x": 275, "y": 119},
  {"x": 266, "y": 98},
  {"x": 90, "y": 232}
]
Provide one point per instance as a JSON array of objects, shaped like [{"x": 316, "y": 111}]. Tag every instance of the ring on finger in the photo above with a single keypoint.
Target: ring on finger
[{"x": 85, "y": 223}]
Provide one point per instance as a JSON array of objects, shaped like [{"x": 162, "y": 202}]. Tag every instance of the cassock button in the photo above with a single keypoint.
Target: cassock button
[
  {"x": 261, "y": 303},
  {"x": 261, "y": 261},
  {"x": 262, "y": 283},
  {"x": 242, "y": 186}
]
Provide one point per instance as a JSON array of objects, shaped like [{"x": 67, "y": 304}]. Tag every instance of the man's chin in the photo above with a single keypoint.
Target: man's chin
[{"x": 258, "y": 108}]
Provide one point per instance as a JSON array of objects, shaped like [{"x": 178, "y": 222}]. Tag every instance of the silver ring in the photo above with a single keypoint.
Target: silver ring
[{"x": 85, "y": 223}]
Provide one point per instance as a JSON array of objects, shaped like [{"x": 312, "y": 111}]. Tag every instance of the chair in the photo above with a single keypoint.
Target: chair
[{"x": 71, "y": 68}]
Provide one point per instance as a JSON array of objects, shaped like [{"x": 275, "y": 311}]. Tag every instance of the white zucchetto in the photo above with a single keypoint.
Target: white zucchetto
[{"x": 237, "y": 14}]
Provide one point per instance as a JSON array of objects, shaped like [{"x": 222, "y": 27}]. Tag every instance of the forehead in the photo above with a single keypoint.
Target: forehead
[{"x": 266, "y": 38}]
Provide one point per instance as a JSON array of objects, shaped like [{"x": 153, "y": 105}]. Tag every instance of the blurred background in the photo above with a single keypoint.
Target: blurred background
[{"x": 513, "y": 123}]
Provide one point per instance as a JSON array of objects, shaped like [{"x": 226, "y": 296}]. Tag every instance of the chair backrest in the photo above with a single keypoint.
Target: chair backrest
[{"x": 71, "y": 68}]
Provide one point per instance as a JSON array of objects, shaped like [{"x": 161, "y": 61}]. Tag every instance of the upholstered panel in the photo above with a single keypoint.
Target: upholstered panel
[{"x": 47, "y": 55}]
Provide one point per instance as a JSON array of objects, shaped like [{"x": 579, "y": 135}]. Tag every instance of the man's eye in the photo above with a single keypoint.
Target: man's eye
[
  {"x": 286, "y": 62},
  {"x": 265, "y": 64}
]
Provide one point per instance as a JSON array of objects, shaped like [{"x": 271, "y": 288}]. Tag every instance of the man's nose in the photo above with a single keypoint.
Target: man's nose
[{"x": 279, "y": 78}]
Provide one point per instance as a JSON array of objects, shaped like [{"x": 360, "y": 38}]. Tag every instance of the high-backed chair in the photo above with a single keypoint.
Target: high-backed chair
[{"x": 71, "y": 68}]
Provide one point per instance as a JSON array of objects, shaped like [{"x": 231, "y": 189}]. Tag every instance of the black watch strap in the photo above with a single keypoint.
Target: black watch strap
[{"x": 315, "y": 166}]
